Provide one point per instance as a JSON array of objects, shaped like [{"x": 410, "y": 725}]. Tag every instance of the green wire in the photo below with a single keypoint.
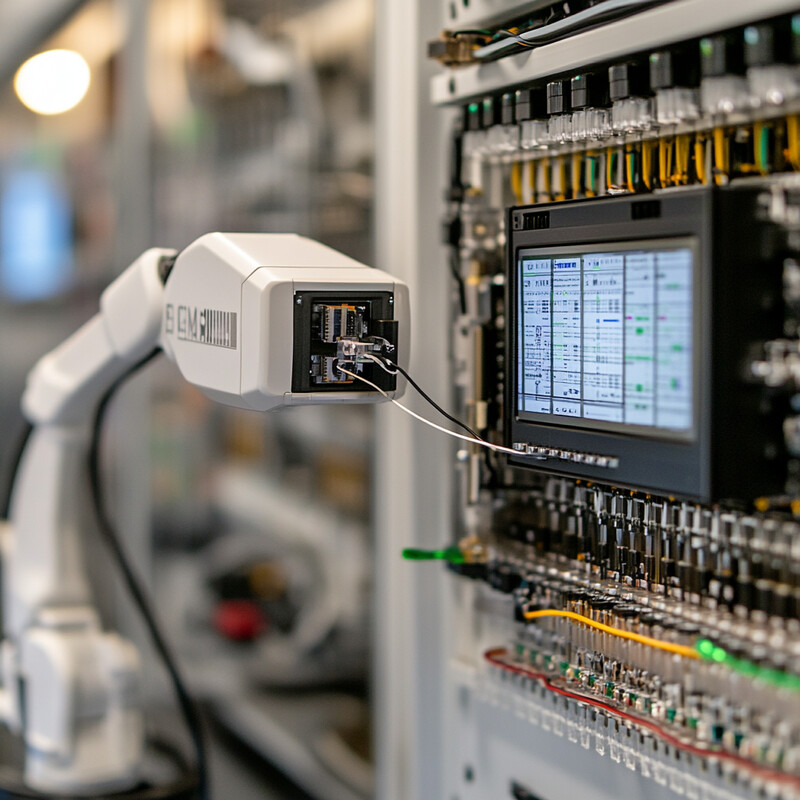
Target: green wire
[
  {"x": 708, "y": 651},
  {"x": 451, "y": 554},
  {"x": 764, "y": 144}
]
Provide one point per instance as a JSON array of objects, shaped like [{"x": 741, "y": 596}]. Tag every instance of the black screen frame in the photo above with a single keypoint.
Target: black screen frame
[{"x": 680, "y": 467}]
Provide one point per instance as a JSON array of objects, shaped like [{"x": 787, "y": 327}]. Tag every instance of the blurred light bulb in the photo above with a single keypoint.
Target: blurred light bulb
[{"x": 52, "y": 82}]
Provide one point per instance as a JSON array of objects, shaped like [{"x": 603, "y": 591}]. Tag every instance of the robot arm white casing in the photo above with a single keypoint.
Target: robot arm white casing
[
  {"x": 227, "y": 317},
  {"x": 229, "y": 314}
]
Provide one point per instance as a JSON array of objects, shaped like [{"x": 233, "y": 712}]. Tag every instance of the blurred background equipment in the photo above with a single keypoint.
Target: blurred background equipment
[{"x": 252, "y": 532}]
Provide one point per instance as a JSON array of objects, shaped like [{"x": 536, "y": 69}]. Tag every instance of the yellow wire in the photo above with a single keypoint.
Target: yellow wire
[
  {"x": 516, "y": 181},
  {"x": 548, "y": 187},
  {"x": 679, "y": 649},
  {"x": 609, "y": 162},
  {"x": 700, "y": 158},
  {"x": 576, "y": 174},
  {"x": 664, "y": 161},
  {"x": 647, "y": 164},
  {"x": 629, "y": 151},
  {"x": 793, "y": 140},
  {"x": 682, "y": 159},
  {"x": 562, "y": 178},
  {"x": 720, "y": 156}
]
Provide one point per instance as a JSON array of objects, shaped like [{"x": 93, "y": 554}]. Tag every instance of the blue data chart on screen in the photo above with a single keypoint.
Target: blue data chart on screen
[{"x": 606, "y": 338}]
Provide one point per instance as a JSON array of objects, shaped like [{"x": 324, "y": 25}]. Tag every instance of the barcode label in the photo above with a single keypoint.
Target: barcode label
[
  {"x": 202, "y": 325},
  {"x": 218, "y": 328}
]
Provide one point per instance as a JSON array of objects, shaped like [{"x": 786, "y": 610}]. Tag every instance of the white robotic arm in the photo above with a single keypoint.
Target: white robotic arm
[{"x": 254, "y": 320}]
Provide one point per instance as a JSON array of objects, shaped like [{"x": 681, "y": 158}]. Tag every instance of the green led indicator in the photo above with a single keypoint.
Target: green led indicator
[
  {"x": 451, "y": 554},
  {"x": 775, "y": 677},
  {"x": 706, "y": 47},
  {"x": 473, "y": 108},
  {"x": 705, "y": 647},
  {"x": 796, "y": 24},
  {"x": 718, "y": 655}
]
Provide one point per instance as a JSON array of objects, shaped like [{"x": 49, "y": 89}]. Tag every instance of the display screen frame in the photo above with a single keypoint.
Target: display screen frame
[
  {"x": 631, "y": 459},
  {"x": 637, "y": 245}
]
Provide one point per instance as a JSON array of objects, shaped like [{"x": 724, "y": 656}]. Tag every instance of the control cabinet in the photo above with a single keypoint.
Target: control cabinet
[{"x": 621, "y": 256}]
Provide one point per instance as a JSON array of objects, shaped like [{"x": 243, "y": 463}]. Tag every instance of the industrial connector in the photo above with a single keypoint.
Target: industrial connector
[
  {"x": 454, "y": 49},
  {"x": 674, "y": 78},
  {"x": 723, "y": 88}
]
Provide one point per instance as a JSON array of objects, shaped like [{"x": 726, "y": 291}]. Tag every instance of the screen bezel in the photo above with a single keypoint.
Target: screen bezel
[
  {"x": 630, "y": 245},
  {"x": 672, "y": 467}
]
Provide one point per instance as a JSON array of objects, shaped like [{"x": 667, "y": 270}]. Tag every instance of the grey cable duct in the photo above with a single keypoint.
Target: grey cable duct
[{"x": 571, "y": 24}]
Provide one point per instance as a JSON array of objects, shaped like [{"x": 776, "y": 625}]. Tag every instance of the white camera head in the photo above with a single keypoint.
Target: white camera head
[{"x": 259, "y": 320}]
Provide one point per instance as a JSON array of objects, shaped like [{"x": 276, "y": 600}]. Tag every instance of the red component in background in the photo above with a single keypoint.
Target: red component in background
[{"x": 239, "y": 620}]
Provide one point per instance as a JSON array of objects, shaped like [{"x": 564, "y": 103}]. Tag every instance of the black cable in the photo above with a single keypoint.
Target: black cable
[
  {"x": 454, "y": 271},
  {"x": 491, "y": 469},
  {"x": 187, "y": 706},
  {"x": 13, "y": 468},
  {"x": 473, "y": 32},
  {"x": 429, "y": 399},
  {"x": 507, "y": 34}
]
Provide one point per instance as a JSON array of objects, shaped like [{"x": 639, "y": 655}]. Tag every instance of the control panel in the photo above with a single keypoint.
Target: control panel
[{"x": 623, "y": 228}]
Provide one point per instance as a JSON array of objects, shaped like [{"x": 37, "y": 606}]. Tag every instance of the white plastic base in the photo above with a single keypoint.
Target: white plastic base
[{"x": 82, "y": 727}]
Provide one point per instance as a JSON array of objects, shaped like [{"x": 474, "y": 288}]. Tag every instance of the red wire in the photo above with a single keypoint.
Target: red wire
[{"x": 495, "y": 657}]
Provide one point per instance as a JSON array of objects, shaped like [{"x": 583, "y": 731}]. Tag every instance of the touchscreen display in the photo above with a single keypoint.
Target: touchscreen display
[{"x": 605, "y": 337}]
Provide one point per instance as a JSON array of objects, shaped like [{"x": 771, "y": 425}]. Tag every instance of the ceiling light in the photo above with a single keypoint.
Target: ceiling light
[{"x": 52, "y": 82}]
